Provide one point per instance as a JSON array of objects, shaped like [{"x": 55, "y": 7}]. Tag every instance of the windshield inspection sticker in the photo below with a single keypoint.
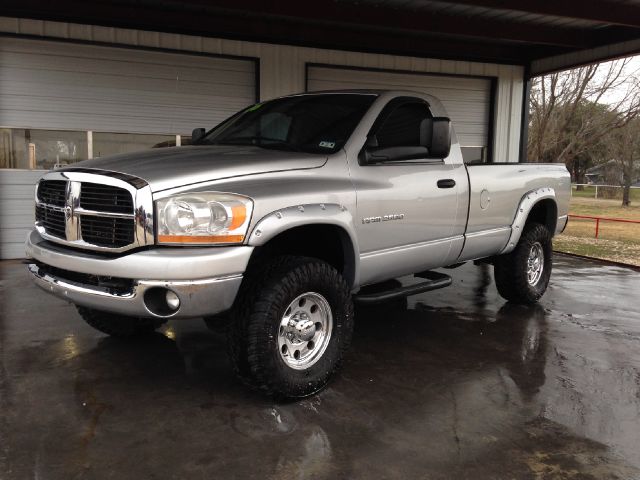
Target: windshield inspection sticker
[{"x": 324, "y": 144}]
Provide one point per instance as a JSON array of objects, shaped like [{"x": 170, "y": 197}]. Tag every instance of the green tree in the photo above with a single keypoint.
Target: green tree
[
  {"x": 569, "y": 120},
  {"x": 625, "y": 146},
  {"x": 584, "y": 142}
]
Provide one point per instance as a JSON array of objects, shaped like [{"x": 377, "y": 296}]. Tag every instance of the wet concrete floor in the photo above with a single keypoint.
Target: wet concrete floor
[{"x": 453, "y": 384}]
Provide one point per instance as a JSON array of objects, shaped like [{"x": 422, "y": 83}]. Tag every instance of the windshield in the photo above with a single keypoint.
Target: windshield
[{"x": 319, "y": 123}]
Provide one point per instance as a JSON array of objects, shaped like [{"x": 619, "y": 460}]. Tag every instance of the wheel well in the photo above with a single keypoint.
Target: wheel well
[
  {"x": 329, "y": 243},
  {"x": 544, "y": 212}
]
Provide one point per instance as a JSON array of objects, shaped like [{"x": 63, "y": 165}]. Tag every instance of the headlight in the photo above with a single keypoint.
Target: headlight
[{"x": 203, "y": 218}]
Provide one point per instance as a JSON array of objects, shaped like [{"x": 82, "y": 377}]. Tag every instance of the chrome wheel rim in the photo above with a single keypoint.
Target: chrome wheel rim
[
  {"x": 535, "y": 263},
  {"x": 305, "y": 330}
]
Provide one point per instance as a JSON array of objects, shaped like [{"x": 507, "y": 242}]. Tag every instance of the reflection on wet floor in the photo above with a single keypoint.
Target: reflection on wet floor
[{"x": 451, "y": 383}]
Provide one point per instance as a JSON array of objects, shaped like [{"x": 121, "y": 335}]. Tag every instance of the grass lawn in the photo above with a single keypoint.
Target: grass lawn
[
  {"x": 619, "y": 242},
  {"x": 604, "y": 208},
  {"x": 604, "y": 192}
]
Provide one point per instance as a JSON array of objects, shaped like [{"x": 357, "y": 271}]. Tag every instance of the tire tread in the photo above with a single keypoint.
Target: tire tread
[
  {"x": 265, "y": 292},
  {"x": 511, "y": 280}
]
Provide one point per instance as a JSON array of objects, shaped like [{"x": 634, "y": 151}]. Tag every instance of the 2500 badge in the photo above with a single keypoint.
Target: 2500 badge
[{"x": 384, "y": 218}]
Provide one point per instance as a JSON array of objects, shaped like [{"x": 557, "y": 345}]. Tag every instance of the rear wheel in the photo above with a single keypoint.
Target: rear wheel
[
  {"x": 522, "y": 276},
  {"x": 120, "y": 326},
  {"x": 293, "y": 326}
]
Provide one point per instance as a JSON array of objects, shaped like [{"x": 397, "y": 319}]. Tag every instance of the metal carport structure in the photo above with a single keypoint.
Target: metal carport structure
[{"x": 541, "y": 35}]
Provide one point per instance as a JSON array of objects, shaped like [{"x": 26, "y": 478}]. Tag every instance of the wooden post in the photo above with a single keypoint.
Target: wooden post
[
  {"x": 89, "y": 144},
  {"x": 32, "y": 155}
]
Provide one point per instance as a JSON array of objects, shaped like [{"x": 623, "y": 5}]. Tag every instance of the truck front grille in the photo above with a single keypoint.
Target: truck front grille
[
  {"x": 52, "y": 220},
  {"x": 53, "y": 192},
  {"x": 105, "y": 198},
  {"x": 88, "y": 214},
  {"x": 107, "y": 232}
]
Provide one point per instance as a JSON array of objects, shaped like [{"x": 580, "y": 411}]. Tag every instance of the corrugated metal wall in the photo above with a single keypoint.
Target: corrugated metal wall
[
  {"x": 467, "y": 100},
  {"x": 282, "y": 71},
  {"x": 86, "y": 87},
  {"x": 16, "y": 209}
]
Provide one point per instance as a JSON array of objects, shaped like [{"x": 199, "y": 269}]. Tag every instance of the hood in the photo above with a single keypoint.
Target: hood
[{"x": 165, "y": 168}]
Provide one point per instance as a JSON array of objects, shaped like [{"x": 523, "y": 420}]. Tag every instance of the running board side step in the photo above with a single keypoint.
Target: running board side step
[{"x": 435, "y": 280}]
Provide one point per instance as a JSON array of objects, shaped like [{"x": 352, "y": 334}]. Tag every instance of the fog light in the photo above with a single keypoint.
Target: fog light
[{"x": 172, "y": 300}]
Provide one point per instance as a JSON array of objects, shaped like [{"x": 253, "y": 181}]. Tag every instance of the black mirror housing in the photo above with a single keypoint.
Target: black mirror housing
[
  {"x": 440, "y": 138},
  {"x": 197, "y": 134}
]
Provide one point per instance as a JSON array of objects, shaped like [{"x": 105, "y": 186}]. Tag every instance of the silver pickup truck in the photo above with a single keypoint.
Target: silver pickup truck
[{"x": 283, "y": 216}]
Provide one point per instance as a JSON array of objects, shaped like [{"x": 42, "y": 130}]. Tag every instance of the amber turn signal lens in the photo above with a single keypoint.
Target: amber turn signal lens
[{"x": 200, "y": 239}]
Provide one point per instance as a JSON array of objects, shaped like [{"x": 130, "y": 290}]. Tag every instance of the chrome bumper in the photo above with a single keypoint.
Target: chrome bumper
[{"x": 200, "y": 294}]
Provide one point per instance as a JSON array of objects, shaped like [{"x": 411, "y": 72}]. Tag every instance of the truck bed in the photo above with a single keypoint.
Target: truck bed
[{"x": 493, "y": 188}]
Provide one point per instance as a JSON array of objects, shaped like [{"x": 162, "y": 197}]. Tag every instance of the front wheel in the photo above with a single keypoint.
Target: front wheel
[
  {"x": 522, "y": 276},
  {"x": 293, "y": 326}
]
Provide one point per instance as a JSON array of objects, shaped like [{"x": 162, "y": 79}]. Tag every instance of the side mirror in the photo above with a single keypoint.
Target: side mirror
[
  {"x": 440, "y": 138},
  {"x": 197, "y": 134},
  {"x": 435, "y": 142}
]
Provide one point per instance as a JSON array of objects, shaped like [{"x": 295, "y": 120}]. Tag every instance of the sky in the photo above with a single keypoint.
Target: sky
[{"x": 633, "y": 71}]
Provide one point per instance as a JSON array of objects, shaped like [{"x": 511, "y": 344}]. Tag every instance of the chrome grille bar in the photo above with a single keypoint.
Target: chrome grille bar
[{"x": 72, "y": 222}]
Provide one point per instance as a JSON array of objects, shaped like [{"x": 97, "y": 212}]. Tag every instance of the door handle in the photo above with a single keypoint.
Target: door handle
[{"x": 446, "y": 183}]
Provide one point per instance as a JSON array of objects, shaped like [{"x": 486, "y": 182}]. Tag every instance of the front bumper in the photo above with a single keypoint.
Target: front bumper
[{"x": 206, "y": 280}]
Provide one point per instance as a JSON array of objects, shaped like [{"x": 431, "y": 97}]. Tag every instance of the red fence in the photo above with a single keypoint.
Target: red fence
[{"x": 603, "y": 219}]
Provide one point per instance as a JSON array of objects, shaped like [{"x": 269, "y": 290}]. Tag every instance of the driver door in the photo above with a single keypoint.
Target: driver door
[{"x": 408, "y": 215}]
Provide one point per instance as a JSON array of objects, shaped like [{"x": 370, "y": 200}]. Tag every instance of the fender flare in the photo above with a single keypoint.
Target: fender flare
[
  {"x": 528, "y": 201},
  {"x": 284, "y": 219}
]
